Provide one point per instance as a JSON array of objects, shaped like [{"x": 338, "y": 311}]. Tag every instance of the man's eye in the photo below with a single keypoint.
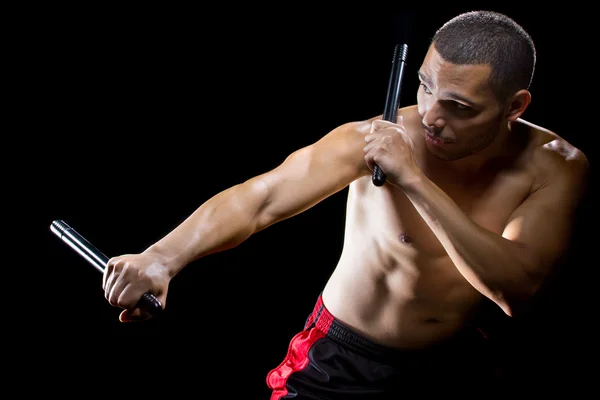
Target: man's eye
[
  {"x": 425, "y": 88},
  {"x": 460, "y": 106}
]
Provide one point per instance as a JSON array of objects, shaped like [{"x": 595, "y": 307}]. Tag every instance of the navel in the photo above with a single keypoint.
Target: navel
[{"x": 404, "y": 238}]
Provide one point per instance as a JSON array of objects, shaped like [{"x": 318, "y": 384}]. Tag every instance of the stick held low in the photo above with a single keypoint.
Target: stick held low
[{"x": 148, "y": 302}]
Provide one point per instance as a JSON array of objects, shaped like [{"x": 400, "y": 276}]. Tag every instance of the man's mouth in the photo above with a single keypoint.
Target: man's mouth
[{"x": 434, "y": 140}]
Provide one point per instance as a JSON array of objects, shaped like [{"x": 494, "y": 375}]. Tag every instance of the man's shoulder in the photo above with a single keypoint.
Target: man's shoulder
[
  {"x": 555, "y": 148},
  {"x": 554, "y": 156}
]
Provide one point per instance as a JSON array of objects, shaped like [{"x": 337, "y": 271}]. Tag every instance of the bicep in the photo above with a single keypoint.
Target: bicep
[{"x": 312, "y": 174}]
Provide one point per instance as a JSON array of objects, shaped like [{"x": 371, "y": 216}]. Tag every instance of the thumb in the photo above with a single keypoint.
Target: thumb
[
  {"x": 133, "y": 315},
  {"x": 125, "y": 316}
]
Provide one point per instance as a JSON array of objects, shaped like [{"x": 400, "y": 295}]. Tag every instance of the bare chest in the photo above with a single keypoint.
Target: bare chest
[{"x": 390, "y": 216}]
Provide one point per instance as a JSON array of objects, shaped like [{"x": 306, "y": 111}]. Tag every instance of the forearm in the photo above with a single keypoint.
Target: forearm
[
  {"x": 222, "y": 222},
  {"x": 495, "y": 266}
]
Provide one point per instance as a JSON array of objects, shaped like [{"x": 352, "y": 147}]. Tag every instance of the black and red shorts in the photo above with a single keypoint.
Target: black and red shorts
[{"x": 328, "y": 360}]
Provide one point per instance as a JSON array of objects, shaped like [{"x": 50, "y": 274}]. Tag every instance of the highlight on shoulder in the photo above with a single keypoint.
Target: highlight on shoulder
[
  {"x": 556, "y": 144},
  {"x": 559, "y": 157}
]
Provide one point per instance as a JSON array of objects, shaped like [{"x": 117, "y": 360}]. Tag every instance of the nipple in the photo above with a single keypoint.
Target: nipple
[{"x": 404, "y": 238}]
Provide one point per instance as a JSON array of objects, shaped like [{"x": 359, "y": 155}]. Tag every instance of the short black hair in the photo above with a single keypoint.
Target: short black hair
[{"x": 489, "y": 38}]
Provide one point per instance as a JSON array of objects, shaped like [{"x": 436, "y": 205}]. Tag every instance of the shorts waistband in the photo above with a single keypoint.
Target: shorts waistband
[
  {"x": 322, "y": 320},
  {"x": 339, "y": 332}
]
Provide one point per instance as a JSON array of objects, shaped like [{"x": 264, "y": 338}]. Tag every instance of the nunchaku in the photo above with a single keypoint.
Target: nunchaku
[
  {"x": 392, "y": 101},
  {"x": 148, "y": 302}
]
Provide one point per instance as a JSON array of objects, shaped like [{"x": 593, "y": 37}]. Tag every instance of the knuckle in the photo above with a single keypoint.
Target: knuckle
[
  {"x": 112, "y": 300},
  {"x": 121, "y": 304}
]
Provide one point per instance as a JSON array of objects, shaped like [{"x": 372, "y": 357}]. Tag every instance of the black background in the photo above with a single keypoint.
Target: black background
[{"x": 135, "y": 115}]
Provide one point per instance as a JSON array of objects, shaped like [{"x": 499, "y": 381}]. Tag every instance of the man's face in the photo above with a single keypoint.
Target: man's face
[{"x": 459, "y": 112}]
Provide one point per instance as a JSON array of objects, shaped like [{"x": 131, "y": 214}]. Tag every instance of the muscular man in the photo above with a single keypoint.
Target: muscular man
[{"x": 478, "y": 205}]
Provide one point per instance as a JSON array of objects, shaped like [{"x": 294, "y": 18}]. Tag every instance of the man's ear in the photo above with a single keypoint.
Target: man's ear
[{"x": 518, "y": 104}]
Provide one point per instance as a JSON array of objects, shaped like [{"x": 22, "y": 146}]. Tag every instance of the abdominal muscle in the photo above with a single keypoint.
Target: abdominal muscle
[
  {"x": 398, "y": 294},
  {"x": 391, "y": 310}
]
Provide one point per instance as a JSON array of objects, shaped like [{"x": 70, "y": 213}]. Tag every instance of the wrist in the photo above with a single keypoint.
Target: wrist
[
  {"x": 171, "y": 261},
  {"x": 414, "y": 182}
]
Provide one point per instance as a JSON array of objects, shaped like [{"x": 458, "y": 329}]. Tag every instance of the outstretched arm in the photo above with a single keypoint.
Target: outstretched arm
[{"x": 305, "y": 178}]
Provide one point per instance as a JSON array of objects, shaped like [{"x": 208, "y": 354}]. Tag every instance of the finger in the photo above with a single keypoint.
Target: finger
[
  {"x": 379, "y": 124},
  {"x": 376, "y": 135},
  {"x": 372, "y": 128},
  {"x": 115, "y": 295},
  {"x": 108, "y": 271},
  {"x": 377, "y": 142},
  {"x": 369, "y": 146},
  {"x": 129, "y": 301},
  {"x": 372, "y": 157},
  {"x": 110, "y": 283}
]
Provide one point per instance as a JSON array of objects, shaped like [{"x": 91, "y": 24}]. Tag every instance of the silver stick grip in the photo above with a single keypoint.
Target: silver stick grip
[{"x": 148, "y": 302}]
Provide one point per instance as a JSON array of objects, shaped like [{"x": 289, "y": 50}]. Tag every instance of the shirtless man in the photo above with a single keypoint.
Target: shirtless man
[{"x": 478, "y": 205}]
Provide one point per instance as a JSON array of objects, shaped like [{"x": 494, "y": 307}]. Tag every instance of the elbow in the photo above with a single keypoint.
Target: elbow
[
  {"x": 517, "y": 303},
  {"x": 520, "y": 288},
  {"x": 512, "y": 309},
  {"x": 511, "y": 306},
  {"x": 259, "y": 215}
]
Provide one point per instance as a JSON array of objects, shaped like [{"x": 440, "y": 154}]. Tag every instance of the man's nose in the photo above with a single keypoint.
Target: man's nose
[{"x": 433, "y": 117}]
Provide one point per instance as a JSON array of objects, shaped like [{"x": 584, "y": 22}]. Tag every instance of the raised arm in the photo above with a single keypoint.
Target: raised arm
[
  {"x": 510, "y": 268},
  {"x": 305, "y": 178}
]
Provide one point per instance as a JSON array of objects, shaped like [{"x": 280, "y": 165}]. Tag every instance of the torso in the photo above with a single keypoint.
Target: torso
[{"x": 394, "y": 282}]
